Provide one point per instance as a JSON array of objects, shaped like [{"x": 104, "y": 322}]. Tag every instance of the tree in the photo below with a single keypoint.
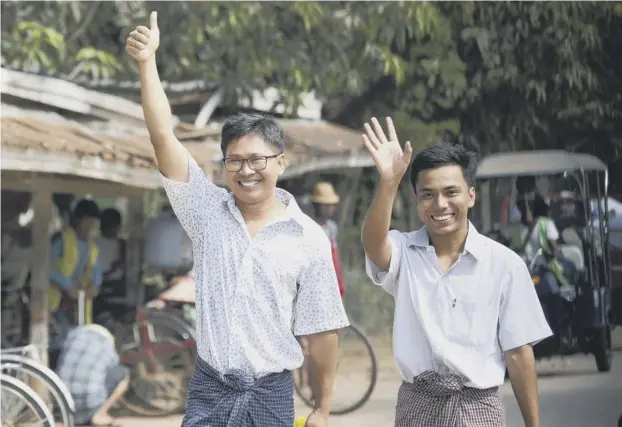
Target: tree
[
  {"x": 539, "y": 74},
  {"x": 334, "y": 48}
]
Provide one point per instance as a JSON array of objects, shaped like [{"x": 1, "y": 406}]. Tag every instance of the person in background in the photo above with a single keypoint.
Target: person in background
[
  {"x": 167, "y": 251},
  {"x": 15, "y": 267},
  {"x": 16, "y": 239},
  {"x": 74, "y": 265},
  {"x": 325, "y": 200},
  {"x": 554, "y": 287},
  {"x": 111, "y": 252},
  {"x": 89, "y": 366}
]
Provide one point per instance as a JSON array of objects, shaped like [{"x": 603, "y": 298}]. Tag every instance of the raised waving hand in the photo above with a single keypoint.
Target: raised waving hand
[
  {"x": 143, "y": 42},
  {"x": 390, "y": 160}
]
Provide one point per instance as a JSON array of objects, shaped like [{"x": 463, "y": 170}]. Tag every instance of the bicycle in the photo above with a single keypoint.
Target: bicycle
[
  {"x": 21, "y": 405},
  {"x": 17, "y": 364},
  {"x": 354, "y": 347}
]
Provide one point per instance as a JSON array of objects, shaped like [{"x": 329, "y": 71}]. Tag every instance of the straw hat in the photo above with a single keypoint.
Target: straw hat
[{"x": 324, "y": 194}]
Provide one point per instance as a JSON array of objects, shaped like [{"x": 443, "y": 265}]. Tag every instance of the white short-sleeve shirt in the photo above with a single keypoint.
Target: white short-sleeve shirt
[
  {"x": 253, "y": 296},
  {"x": 463, "y": 320}
]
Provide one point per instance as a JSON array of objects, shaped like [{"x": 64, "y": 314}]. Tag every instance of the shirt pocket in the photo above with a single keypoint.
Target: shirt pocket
[
  {"x": 279, "y": 266},
  {"x": 469, "y": 315}
]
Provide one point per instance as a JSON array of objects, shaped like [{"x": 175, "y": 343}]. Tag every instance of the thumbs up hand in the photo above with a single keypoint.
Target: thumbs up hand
[{"x": 143, "y": 42}]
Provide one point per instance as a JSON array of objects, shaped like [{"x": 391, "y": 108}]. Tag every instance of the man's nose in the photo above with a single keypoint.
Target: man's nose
[
  {"x": 441, "y": 202},
  {"x": 246, "y": 169}
]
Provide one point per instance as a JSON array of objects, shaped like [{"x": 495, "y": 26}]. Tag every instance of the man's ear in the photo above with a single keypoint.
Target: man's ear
[
  {"x": 471, "y": 197},
  {"x": 282, "y": 164}
]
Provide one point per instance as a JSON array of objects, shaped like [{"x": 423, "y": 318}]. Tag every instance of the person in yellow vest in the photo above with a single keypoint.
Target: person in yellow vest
[{"x": 75, "y": 265}]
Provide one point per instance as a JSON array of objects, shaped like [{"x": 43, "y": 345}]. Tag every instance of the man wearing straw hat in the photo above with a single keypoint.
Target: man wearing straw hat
[{"x": 325, "y": 200}]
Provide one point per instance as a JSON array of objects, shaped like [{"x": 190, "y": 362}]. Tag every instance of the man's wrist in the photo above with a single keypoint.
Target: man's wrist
[
  {"x": 390, "y": 184},
  {"x": 324, "y": 411},
  {"x": 148, "y": 61}
]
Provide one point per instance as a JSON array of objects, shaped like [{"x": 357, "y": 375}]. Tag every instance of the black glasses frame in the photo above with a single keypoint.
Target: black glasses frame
[{"x": 248, "y": 161}]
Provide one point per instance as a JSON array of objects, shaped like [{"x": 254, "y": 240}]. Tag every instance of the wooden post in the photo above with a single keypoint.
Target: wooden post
[
  {"x": 134, "y": 250},
  {"x": 39, "y": 313},
  {"x": 39, "y": 282}
]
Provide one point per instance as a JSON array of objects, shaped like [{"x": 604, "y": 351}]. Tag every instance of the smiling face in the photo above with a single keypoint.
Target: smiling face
[
  {"x": 444, "y": 199},
  {"x": 248, "y": 185}
]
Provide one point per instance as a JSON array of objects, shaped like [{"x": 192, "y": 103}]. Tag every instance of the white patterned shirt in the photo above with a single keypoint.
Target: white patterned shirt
[
  {"x": 253, "y": 296},
  {"x": 460, "y": 321}
]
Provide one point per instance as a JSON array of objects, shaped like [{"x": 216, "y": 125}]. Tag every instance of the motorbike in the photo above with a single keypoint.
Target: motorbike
[{"x": 558, "y": 307}]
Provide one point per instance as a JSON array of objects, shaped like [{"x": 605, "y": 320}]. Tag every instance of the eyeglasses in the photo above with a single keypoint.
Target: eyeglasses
[{"x": 256, "y": 163}]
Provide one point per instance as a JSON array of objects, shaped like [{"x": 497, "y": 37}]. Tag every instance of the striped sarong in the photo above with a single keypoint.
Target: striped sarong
[
  {"x": 435, "y": 400},
  {"x": 236, "y": 399}
]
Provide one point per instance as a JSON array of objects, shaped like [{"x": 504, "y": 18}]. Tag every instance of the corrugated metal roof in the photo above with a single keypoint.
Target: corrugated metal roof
[
  {"x": 50, "y": 132},
  {"x": 30, "y": 133}
]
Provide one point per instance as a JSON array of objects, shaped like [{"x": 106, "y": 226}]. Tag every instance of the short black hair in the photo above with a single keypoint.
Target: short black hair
[
  {"x": 110, "y": 218},
  {"x": 86, "y": 208},
  {"x": 242, "y": 124},
  {"x": 540, "y": 207},
  {"x": 444, "y": 154}
]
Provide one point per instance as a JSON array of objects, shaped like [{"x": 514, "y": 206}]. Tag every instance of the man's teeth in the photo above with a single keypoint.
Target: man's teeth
[
  {"x": 248, "y": 184},
  {"x": 441, "y": 217}
]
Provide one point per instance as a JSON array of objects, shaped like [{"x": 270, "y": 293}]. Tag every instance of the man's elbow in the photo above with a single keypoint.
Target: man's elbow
[
  {"x": 379, "y": 253},
  {"x": 519, "y": 358},
  {"x": 323, "y": 341}
]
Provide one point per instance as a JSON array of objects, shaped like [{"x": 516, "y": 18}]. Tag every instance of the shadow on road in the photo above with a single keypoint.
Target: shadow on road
[{"x": 566, "y": 373}]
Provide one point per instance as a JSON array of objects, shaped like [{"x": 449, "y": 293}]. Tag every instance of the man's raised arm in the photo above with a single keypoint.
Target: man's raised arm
[
  {"x": 171, "y": 155},
  {"x": 391, "y": 163}
]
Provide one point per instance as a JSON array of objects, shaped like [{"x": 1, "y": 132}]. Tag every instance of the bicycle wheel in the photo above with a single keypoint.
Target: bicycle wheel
[
  {"x": 356, "y": 376},
  {"x": 163, "y": 392},
  {"x": 21, "y": 406},
  {"x": 29, "y": 371}
]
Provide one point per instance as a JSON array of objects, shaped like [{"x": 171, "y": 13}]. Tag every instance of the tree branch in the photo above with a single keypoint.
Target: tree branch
[{"x": 88, "y": 19}]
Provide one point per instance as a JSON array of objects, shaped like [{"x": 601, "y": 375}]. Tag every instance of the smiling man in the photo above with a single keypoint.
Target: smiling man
[
  {"x": 465, "y": 305},
  {"x": 264, "y": 270}
]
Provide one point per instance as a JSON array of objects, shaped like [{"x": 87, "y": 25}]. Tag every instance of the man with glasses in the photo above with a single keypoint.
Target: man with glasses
[{"x": 264, "y": 271}]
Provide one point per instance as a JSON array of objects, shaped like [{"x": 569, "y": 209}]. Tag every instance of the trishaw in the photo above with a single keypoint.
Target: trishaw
[{"x": 574, "y": 187}]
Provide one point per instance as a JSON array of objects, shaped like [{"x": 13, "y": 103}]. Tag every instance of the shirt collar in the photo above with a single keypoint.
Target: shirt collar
[
  {"x": 292, "y": 211},
  {"x": 473, "y": 245}
]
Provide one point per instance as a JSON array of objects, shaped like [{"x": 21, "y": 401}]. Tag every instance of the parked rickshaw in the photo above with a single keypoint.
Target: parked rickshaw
[{"x": 574, "y": 187}]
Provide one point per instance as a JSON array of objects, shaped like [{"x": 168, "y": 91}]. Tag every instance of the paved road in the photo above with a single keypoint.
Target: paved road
[{"x": 573, "y": 394}]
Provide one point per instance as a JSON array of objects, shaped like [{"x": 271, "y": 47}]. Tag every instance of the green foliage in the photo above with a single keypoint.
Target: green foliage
[
  {"x": 331, "y": 47},
  {"x": 98, "y": 64},
  {"x": 34, "y": 47},
  {"x": 535, "y": 74}
]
